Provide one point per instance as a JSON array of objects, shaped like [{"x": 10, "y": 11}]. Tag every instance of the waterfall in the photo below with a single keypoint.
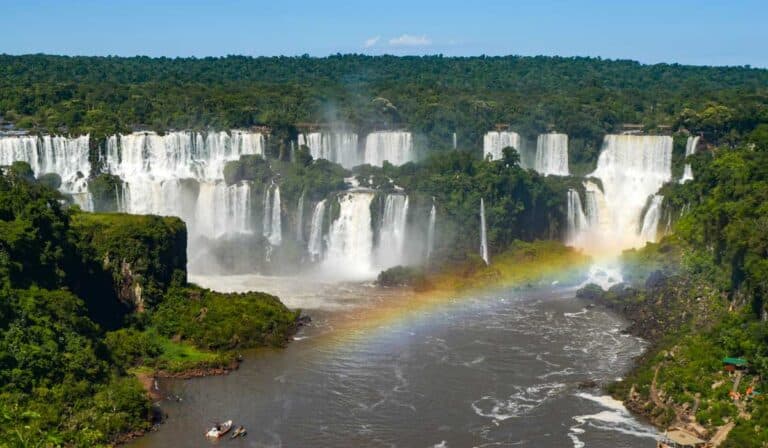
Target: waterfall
[
  {"x": 227, "y": 208},
  {"x": 650, "y": 227},
  {"x": 65, "y": 156},
  {"x": 394, "y": 147},
  {"x": 315, "y": 247},
  {"x": 175, "y": 174},
  {"x": 483, "y": 235},
  {"x": 276, "y": 229},
  {"x": 455, "y": 141},
  {"x": 182, "y": 174},
  {"x": 337, "y": 147},
  {"x": 552, "y": 154},
  {"x": 431, "y": 230},
  {"x": 300, "y": 218},
  {"x": 631, "y": 168},
  {"x": 239, "y": 202},
  {"x": 392, "y": 231},
  {"x": 577, "y": 220},
  {"x": 494, "y": 142},
  {"x": 350, "y": 239},
  {"x": 178, "y": 155},
  {"x": 266, "y": 216},
  {"x": 690, "y": 149}
]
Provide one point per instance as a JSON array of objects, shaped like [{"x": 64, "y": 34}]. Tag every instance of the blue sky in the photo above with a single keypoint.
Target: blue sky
[{"x": 699, "y": 32}]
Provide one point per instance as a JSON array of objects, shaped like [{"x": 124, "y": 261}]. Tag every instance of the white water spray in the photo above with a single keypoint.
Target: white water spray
[
  {"x": 65, "y": 156},
  {"x": 577, "y": 220},
  {"x": 394, "y": 147},
  {"x": 690, "y": 149},
  {"x": 483, "y": 235},
  {"x": 337, "y": 147},
  {"x": 300, "y": 218},
  {"x": 552, "y": 154},
  {"x": 631, "y": 168},
  {"x": 431, "y": 230},
  {"x": 350, "y": 239},
  {"x": 276, "y": 228},
  {"x": 266, "y": 214},
  {"x": 315, "y": 247},
  {"x": 495, "y": 142},
  {"x": 650, "y": 226},
  {"x": 392, "y": 231}
]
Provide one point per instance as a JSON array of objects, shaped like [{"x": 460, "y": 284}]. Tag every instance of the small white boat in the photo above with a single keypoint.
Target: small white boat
[{"x": 219, "y": 430}]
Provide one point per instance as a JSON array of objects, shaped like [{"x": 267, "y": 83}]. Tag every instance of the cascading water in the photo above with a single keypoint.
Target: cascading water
[
  {"x": 178, "y": 155},
  {"x": 276, "y": 228},
  {"x": 315, "y": 246},
  {"x": 631, "y": 168},
  {"x": 495, "y": 142},
  {"x": 455, "y": 141},
  {"x": 431, "y": 230},
  {"x": 394, "y": 147},
  {"x": 552, "y": 154},
  {"x": 182, "y": 174},
  {"x": 350, "y": 239},
  {"x": 337, "y": 147},
  {"x": 483, "y": 235},
  {"x": 577, "y": 220},
  {"x": 65, "y": 156},
  {"x": 266, "y": 214},
  {"x": 592, "y": 211},
  {"x": 230, "y": 213},
  {"x": 392, "y": 231},
  {"x": 300, "y": 218},
  {"x": 690, "y": 149},
  {"x": 650, "y": 225}
]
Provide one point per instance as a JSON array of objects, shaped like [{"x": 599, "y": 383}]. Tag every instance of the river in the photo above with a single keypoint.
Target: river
[{"x": 373, "y": 369}]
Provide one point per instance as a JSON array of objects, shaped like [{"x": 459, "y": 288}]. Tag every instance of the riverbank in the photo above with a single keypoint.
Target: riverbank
[{"x": 681, "y": 381}]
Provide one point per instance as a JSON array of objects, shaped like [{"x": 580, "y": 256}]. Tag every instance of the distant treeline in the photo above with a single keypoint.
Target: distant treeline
[{"x": 433, "y": 96}]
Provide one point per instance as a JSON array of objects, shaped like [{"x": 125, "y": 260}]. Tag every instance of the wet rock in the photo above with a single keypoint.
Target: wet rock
[
  {"x": 590, "y": 292},
  {"x": 588, "y": 384},
  {"x": 303, "y": 320}
]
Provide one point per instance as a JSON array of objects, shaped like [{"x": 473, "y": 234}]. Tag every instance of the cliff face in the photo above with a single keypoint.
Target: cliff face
[{"x": 131, "y": 260}]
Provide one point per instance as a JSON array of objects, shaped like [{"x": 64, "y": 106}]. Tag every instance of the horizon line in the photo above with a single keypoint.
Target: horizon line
[{"x": 384, "y": 55}]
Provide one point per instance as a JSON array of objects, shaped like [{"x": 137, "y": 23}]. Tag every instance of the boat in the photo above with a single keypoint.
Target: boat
[
  {"x": 219, "y": 430},
  {"x": 239, "y": 432}
]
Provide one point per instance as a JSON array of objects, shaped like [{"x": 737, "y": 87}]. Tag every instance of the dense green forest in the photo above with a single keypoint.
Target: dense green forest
[
  {"x": 433, "y": 96},
  {"x": 90, "y": 301}
]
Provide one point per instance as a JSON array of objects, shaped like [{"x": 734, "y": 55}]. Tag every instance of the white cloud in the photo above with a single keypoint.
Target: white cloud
[
  {"x": 371, "y": 42},
  {"x": 407, "y": 40}
]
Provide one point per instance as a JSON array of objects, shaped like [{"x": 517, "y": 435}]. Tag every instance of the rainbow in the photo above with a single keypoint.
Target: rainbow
[{"x": 400, "y": 307}]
